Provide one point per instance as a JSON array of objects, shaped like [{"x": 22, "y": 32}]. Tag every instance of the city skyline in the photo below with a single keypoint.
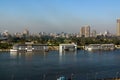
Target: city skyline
[{"x": 58, "y": 15}]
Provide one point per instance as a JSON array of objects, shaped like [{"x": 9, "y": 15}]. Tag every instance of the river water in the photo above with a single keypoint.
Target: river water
[{"x": 80, "y": 65}]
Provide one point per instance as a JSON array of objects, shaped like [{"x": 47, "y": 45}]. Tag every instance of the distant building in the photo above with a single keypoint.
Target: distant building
[
  {"x": 18, "y": 34},
  {"x": 93, "y": 33},
  {"x": 82, "y": 32},
  {"x": 118, "y": 27},
  {"x": 100, "y": 34},
  {"x": 85, "y": 31},
  {"x": 106, "y": 33},
  {"x": 5, "y": 33},
  {"x": 26, "y": 32}
]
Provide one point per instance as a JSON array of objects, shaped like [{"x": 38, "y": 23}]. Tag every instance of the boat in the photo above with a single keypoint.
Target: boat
[
  {"x": 93, "y": 47},
  {"x": 29, "y": 47}
]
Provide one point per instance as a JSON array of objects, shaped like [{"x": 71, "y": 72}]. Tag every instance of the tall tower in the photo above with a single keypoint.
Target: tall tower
[
  {"x": 82, "y": 32},
  {"x": 85, "y": 31},
  {"x": 118, "y": 27}
]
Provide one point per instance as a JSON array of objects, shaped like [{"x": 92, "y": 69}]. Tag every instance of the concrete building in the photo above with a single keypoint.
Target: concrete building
[
  {"x": 85, "y": 31},
  {"x": 82, "y": 32},
  {"x": 118, "y": 27}
]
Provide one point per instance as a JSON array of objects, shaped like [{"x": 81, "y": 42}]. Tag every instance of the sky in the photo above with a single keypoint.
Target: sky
[{"x": 58, "y": 15}]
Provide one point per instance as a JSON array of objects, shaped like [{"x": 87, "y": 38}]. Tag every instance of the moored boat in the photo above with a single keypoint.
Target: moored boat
[{"x": 93, "y": 47}]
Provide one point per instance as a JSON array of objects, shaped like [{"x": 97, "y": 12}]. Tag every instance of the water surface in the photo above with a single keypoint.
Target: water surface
[{"x": 82, "y": 65}]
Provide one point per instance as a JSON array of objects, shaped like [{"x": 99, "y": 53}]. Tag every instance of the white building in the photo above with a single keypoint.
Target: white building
[{"x": 67, "y": 47}]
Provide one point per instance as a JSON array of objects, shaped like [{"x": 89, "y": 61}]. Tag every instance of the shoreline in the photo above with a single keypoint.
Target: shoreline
[
  {"x": 2, "y": 50},
  {"x": 52, "y": 48}
]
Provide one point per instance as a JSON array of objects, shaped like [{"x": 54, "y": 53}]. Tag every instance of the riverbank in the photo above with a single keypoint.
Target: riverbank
[
  {"x": 53, "y": 48},
  {"x": 50, "y": 48},
  {"x": 4, "y": 50}
]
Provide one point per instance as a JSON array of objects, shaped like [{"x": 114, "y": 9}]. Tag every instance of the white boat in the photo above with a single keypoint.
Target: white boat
[
  {"x": 29, "y": 47},
  {"x": 93, "y": 47},
  {"x": 13, "y": 50}
]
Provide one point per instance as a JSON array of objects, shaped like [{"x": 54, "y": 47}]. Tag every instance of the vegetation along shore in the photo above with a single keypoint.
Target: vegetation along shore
[{"x": 53, "y": 42}]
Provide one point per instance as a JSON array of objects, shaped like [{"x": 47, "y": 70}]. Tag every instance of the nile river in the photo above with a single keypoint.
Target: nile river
[{"x": 80, "y": 65}]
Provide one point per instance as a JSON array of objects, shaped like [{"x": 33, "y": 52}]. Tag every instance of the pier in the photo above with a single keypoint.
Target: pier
[{"x": 67, "y": 47}]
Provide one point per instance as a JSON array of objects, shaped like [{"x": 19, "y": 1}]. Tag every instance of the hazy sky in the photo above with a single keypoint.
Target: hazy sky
[{"x": 58, "y": 15}]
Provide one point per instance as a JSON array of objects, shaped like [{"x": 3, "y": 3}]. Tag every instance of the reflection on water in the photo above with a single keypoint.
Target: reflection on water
[
  {"x": 13, "y": 54},
  {"x": 27, "y": 55},
  {"x": 62, "y": 55},
  {"x": 66, "y": 52},
  {"x": 83, "y": 65}
]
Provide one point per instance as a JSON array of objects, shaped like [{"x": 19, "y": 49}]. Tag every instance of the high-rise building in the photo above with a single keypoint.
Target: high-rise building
[
  {"x": 118, "y": 27},
  {"x": 82, "y": 32},
  {"x": 85, "y": 31}
]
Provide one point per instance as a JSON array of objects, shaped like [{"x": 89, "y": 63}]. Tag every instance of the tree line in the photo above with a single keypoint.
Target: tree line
[{"x": 55, "y": 41}]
